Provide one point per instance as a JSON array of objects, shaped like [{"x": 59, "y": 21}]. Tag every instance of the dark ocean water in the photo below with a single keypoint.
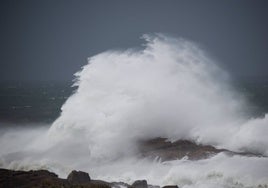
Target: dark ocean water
[
  {"x": 41, "y": 102},
  {"x": 32, "y": 102}
]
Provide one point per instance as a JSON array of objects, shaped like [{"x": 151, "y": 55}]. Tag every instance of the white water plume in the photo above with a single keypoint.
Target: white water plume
[{"x": 169, "y": 89}]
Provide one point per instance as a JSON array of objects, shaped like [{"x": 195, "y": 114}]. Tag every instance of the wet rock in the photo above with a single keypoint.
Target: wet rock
[
  {"x": 78, "y": 177},
  {"x": 39, "y": 178},
  {"x": 167, "y": 150},
  {"x": 46, "y": 179},
  {"x": 99, "y": 184},
  {"x": 140, "y": 184},
  {"x": 170, "y": 186}
]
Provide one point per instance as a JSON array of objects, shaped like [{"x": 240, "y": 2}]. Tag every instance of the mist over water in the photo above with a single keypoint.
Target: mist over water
[{"x": 170, "y": 88}]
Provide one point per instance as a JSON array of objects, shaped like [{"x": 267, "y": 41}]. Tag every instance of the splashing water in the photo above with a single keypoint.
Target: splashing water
[{"x": 170, "y": 89}]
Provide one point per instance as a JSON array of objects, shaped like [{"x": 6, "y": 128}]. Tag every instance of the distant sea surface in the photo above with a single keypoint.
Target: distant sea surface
[
  {"x": 23, "y": 103},
  {"x": 32, "y": 102}
]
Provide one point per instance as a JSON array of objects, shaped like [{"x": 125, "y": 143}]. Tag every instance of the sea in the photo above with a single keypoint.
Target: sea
[
  {"x": 32, "y": 102},
  {"x": 24, "y": 102}
]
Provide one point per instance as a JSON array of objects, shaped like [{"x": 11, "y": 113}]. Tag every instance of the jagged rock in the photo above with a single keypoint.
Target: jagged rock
[
  {"x": 140, "y": 184},
  {"x": 170, "y": 186},
  {"x": 78, "y": 177}
]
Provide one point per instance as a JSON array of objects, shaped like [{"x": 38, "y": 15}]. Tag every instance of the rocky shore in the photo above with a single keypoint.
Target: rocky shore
[
  {"x": 166, "y": 150},
  {"x": 76, "y": 179}
]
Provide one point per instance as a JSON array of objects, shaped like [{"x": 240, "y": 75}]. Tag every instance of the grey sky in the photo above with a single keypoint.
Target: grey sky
[{"x": 51, "y": 39}]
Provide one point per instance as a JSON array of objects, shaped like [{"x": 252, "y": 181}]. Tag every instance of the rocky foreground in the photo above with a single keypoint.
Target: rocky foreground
[{"x": 76, "y": 179}]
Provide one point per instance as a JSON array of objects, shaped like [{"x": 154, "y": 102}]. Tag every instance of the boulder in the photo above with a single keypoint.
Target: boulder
[
  {"x": 78, "y": 177},
  {"x": 140, "y": 184}
]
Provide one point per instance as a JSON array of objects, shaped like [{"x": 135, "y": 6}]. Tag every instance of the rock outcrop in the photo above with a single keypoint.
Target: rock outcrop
[{"x": 166, "y": 150}]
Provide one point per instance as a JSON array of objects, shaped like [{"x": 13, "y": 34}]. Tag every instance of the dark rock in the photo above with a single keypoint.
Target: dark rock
[
  {"x": 78, "y": 177},
  {"x": 166, "y": 150},
  {"x": 99, "y": 184},
  {"x": 38, "y": 178},
  {"x": 46, "y": 179},
  {"x": 170, "y": 186},
  {"x": 140, "y": 184}
]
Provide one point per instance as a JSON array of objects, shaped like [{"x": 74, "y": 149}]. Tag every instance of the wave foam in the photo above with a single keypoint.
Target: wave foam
[{"x": 170, "y": 89}]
